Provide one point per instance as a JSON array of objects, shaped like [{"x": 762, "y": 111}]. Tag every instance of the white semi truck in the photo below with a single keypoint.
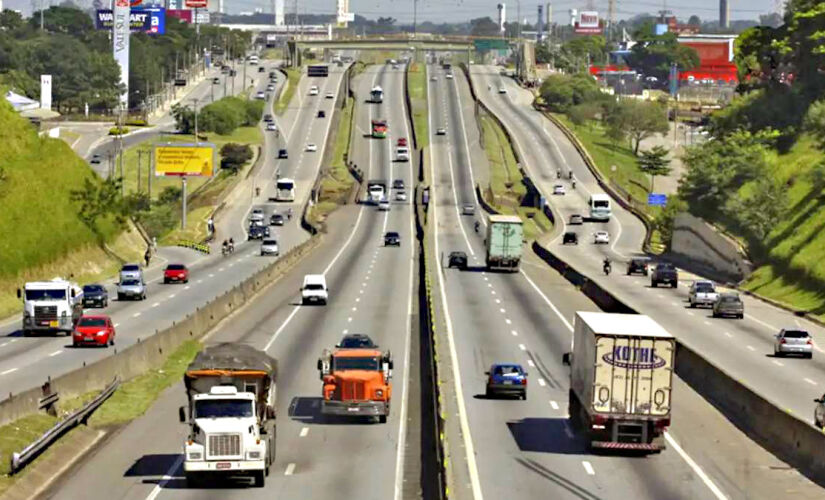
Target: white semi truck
[
  {"x": 51, "y": 306},
  {"x": 621, "y": 372},
  {"x": 231, "y": 414}
]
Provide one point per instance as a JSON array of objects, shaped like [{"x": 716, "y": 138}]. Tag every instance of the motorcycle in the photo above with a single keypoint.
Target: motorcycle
[
  {"x": 476, "y": 226},
  {"x": 224, "y": 251},
  {"x": 607, "y": 268},
  {"x": 574, "y": 184}
]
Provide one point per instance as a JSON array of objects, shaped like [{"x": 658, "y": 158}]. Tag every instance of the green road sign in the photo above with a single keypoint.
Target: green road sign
[{"x": 483, "y": 45}]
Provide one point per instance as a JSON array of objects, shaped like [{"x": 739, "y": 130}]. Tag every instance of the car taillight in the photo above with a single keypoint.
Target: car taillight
[
  {"x": 809, "y": 342},
  {"x": 782, "y": 341},
  {"x": 598, "y": 420},
  {"x": 663, "y": 423},
  {"x": 524, "y": 381}
]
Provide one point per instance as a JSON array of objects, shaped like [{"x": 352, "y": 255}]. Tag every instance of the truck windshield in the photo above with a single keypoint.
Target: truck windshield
[
  {"x": 371, "y": 363},
  {"x": 220, "y": 408},
  {"x": 36, "y": 295}
]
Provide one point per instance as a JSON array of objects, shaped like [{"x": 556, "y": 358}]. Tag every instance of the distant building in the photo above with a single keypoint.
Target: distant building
[{"x": 715, "y": 58}]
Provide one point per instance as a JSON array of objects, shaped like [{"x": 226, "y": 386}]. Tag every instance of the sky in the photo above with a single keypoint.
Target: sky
[{"x": 464, "y": 10}]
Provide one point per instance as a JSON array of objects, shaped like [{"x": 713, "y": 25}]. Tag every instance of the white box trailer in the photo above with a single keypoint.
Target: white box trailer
[{"x": 621, "y": 372}]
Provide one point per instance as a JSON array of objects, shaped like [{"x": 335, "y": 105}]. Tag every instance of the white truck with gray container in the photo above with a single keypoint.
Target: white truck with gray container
[{"x": 621, "y": 372}]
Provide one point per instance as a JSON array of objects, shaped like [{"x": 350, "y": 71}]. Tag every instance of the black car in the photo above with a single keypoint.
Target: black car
[
  {"x": 322, "y": 113},
  {"x": 457, "y": 259},
  {"x": 257, "y": 232},
  {"x": 95, "y": 159},
  {"x": 392, "y": 239},
  {"x": 282, "y": 154},
  {"x": 356, "y": 341},
  {"x": 570, "y": 238},
  {"x": 216, "y": 80},
  {"x": 664, "y": 272},
  {"x": 398, "y": 184},
  {"x": 637, "y": 265},
  {"x": 267, "y": 118},
  {"x": 273, "y": 74},
  {"x": 277, "y": 220},
  {"x": 95, "y": 296},
  {"x": 261, "y": 70}
]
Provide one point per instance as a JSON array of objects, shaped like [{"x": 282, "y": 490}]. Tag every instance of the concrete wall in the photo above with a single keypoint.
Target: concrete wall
[{"x": 697, "y": 246}]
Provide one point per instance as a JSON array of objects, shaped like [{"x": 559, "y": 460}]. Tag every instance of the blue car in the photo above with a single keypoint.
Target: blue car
[{"x": 507, "y": 379}]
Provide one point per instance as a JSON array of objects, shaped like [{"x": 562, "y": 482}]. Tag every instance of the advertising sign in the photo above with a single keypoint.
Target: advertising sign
[
  {"x": 184, "y": 15},
  {"x": 195, "y": 4},
  {"x": 148, "y": 20},
  {"x": 120, "y": 46},
  {"x": 45, "y": 91},
  {"x": 185, "y": 159},
  {"x": 657, "y": 199},
  {"x": 588, "y": 23}
]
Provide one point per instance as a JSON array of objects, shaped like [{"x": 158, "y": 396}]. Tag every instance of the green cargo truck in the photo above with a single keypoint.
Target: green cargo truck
[{"x": 505, "y": 237}]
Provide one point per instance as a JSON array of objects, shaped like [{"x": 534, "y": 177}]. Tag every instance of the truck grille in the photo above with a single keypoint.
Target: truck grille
[
  {"x": 45, "y": 312},
  {"x": 224, "y": 445},
  {"x": 353, "y": 391}
]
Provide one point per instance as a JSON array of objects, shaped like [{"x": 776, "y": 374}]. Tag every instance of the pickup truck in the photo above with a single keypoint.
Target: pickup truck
[
  {"x": 664, "y": 272},
  {"x": 702, "y": 293}
]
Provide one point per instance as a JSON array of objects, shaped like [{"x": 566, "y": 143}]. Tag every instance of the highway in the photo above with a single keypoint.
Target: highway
[
  {"x": 26, "y": 361},
  {"x": 744, "y": 348},
  {"x": 371, "y": 291}
]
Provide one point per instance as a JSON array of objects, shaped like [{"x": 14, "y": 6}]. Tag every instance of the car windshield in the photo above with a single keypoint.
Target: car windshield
[
  {"x": 219, "y": 408},
  {"x": 35, "y": 295},
  {"x": 175, "y": 267},
  {"x": 92, "y": 289},
  {"x": 314, "y": 286},
  {"x": 130, "y": 267},
  {"x": 392, "y": 235},
  {"x": 92, "y": 322},
  {"x": 356, "y": 342},
  {"x": 796, "y": 334},
  {"x": 270, "y": 242},
  {"x": 704, "y": 287},
  {"x": 372, "y": 363},
  {"x": 730, "y": 300},
  {"x": 601, "y": 204},
  {"x": 130, "y": 283},
  {"x": 507, "y": 370}
]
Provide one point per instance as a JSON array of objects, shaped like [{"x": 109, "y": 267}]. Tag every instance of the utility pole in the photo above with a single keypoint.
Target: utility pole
[
  {"x": 149, "y": 173},
  {"x": 41, "y": 15},
  {"x": 140, "y": 161},
  {"x": 415, "y": 16}
]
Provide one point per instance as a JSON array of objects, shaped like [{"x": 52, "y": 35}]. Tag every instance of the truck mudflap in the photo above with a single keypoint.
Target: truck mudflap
[
  {"x": 220, "y": 466},
  {"x": 654, "y": 446},
  {"x": 364, "y": 408}
]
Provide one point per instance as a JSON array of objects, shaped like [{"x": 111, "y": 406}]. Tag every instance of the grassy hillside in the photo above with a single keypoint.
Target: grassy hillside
[
  {"x": 38, "y": 220},
  {"x": 795, "y": 268}
]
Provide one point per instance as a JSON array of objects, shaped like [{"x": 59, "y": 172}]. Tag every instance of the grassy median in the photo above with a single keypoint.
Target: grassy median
[
  {"x": 336, "y": 181},
  {"x": 417, "y": 88},
  {"x": 293, "y": 77}
]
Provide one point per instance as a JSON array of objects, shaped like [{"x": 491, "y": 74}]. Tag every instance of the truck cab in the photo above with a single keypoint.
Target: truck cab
[
  {"x": 356, "y": 382},
  {"x": 376, "y": 191},
  {"x": 51, "y": 306}
]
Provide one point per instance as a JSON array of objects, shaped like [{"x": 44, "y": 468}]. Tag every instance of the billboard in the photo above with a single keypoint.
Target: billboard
[
  {"x": 318, "y": 70},
  {"x": 588, "y": 23},
  {"x": 184, "y": 159},
  {"x": 148, "y": 20},
  {"x": 195, "y": 4},
  {"x": 46, "y": 91},
  {"x": 184, "y": 15},
  {"x": 120, "y": 46}
]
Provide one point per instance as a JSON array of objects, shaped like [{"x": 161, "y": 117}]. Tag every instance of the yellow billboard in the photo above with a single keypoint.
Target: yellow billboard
[{"x": 185, "y": 159}]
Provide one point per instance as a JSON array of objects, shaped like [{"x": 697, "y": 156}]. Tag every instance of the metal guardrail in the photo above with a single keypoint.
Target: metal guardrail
[{"x": 19, "y": 460}]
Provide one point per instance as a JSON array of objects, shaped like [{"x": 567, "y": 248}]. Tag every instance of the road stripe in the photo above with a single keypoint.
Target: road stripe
[
  {"x": 508, "y": 321},
  {"x": 777, "y": 363},
  {"x": 165, "y": 479},
  {"x": 751, "y": 348},
  {"x": 514, "y": 333},
  {"x": 136, "y": 315},
  {"x": 542, "y": 382},
  {"x": 289, "y": 469},
  {"x": 304, "y": 432},
  {"x": 156, "y": 304},
  {"x": 696, "y": 469},
  {"x": 10, "y": 370},
  {"x": 588, "y": 468},
  {"x": 554, "y": 405},
  {"x": 530, "y": 363},
  {"x": 806, "y": 379},
  {"x": 55, "y": 353},
  {"x": 522, "y": 347}
]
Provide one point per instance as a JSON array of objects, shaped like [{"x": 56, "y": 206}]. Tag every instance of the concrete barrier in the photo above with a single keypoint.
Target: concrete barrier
[
  {"x": 698, "y": 247},
  {"x": 151, "y": 351},
  {"x": 790, "y": 438}
]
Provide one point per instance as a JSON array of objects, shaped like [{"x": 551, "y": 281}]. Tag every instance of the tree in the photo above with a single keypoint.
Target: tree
[
  {"x": 184, "y": 119},
  {"x": 694, "y": 20},
  {"x": 654, "y": 54},
  {"x": 772, "y": 20},
  {"x": 543, "y": 53},
  {"x": 581, "y": 114},
  {"x": 815, "y": 122},
  {"x": 234, "y": 156},
  {"x": 64, "y": 19},
  {"x": 98, "y": 200},
  {"x": 654, "y": 162},
  {"x": 483, "y": 26},
  {"x": 762, "y": 209},
  {"x": 635, "y": 120},
  {"x": 559, "y": 91}
]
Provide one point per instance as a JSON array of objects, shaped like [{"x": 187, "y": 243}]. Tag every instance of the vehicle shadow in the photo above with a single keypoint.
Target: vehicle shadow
[
  {"x": 547, "y": 435},
  {"x": 496, "y": 396},
  {"x": 308, "y": 410},
  {"x": 166, "y": 470}
]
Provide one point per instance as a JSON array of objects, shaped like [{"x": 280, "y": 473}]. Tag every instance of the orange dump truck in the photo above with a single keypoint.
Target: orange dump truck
[{"x": 356, "y": 382}]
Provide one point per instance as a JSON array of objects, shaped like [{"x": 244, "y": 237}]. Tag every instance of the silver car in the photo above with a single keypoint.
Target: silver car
[
  {"x": 793, "y": 341},
  {"x": 270, "y": 247},
  {"x": 131, "y": 272},
  {"x": 468, "y": 209},
  {"x": 132, "y": 289}
]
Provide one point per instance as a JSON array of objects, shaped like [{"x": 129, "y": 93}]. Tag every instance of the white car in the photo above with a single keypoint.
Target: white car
[
  {"x": 330, "y": 95},
  {"x": 257, "y": 215},
  {"x": 312, "y": 147},
  {"x": 601, "y": 237},
  {"x": 441, "y": 131},
  {"x": 384, "y": 205},
  {"x": 433, "y": 78},
  {"x": 502, "y": 90},
  {"x": 558, "y": 189},
  {"x": 401, "y": 196},
  {"x": 314, "y": 289},
  {"x": 270, "y": 247},
  {"x": 449, "y": 76},
  {"x": 313, "y": 90},
  {"x": 271, "y": 127},
  {"x": 260, "y": 95}
]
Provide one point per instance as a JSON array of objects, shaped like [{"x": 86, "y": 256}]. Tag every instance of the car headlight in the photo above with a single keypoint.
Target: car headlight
[
  {"x": 195, "y": 455},
  {"x": 379, "y": 393},
  {"x": 253, "y": 455}
]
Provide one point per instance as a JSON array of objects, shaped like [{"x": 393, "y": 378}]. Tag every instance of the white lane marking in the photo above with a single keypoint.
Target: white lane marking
[
  {"x": 696, "y": 469},
  {"x": 554, "y": 405},
  {"x": 354, "y": 309},
  {"x": 522, "y": 347},
  {"x": 349, "y": 320},
  {"x": 304, "y": 432},
  {"x": 165, "y": 479},
  {"x": 489, "y": 285},
  {"x": 289, "y": 469},
  {"x": 542, "y": 382},
  {"x": 211, "y": 275},
  {"x": 4, "y": 344},
  {"x": 498, "y": 301},
  {"x": 357, "y": 299},
  {"x": 280, "y": 328},
  {"x": 200, "y": 281},
  {"x": 547, "y": 301},
  {"x": 116, "y": 325},
  {"x": 10, "y": 370},
  {"x": 507, "y": 320},
  {"x": 806, "y": 379},
  {"x": 55, "y": 353},
  {"x": 707, "y": 323},
  {"x": 674, "y": 304},
  {"x": 728, "y": 334},
  {"x": 751, "y": 348},
  {"x": 171, "y": 296},
  {"x": 493, "y": 292},
  {"x": 766, "y": 325},
  {"x": 156, "y": 304},
  {"x": 777, "y": 363},
  {"x": 588, "y": 468},
  {"x": 136, "y": 315},
  {"x": 345, "y": 332},
  {"x": 469, "y": 450},
  {"x": 501, "y": 310},
  {"x": 530, "y": 363},
  {"x": 186, "y": 287},
  {"x": 486, "y": 278},
  {"x": 689, "y": 313},
  {"x": 514, "y": 333}
]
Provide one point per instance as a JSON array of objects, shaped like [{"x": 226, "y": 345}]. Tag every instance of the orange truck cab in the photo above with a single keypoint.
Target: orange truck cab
[{"x": 356, "y": 382}]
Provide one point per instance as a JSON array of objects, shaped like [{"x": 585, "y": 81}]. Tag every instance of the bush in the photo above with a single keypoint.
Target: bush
[
  {"x": 560, "y": 92},
  {"x": 170, "y": 194},
  {"x": 160, "y": 220},
  {"x": 136, "y": 122},
  {"x": 234, "y": 156},
  {"x": 118, "y": 130}
]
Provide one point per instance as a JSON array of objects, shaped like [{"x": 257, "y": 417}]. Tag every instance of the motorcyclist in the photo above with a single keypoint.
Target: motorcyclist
[
  {"x": 476, "y": 226},
  {"x": 558, "y": 173},
  {"x": 573, "y": 183},
  {"x": 289, "y": 214},
  {"x": 231, "y": 244},
  {"x": 225, "y": 247},
  {"x": 606, "y": 265}
]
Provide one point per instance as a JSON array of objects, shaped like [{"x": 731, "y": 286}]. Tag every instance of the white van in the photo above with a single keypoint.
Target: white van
[
  {"x": 376, "y": 193},
  {"x": 599, "y": 207},
  {"x": 313, "y": 90},
  {"x": 253, "y": 60},
  {"x": 314, "y": 289},
  {"x": 402, "y": 153}
]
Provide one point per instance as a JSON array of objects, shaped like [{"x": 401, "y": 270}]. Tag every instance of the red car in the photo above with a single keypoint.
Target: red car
[
  {"x": 94, "y": 330},
  {"x": 176, "y": 272},
  {"x": 402, "y": 141}
]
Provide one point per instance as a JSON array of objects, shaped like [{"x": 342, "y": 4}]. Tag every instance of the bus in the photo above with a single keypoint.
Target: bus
[
  {"x": 379, "y": 129},
  {"x": 377, "y": 94},
  {"x": 285, "y": 190},
  {"x": 599, "y": 206}
]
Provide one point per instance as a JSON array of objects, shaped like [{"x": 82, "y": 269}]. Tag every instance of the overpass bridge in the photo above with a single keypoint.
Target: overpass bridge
[{"x": 417, "y": 45}]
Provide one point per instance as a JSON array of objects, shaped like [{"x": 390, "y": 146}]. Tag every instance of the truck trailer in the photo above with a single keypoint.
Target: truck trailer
[
  {"x": 505, "y": 238},
  {"x": 621, "y": 372},
  {"x": 231, "y": 414}
]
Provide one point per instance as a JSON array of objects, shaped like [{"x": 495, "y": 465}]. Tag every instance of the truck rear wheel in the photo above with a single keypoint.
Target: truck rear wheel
[{"x": 259, "y": 478}]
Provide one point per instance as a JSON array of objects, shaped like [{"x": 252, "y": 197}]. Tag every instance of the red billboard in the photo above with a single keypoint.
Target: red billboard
[
  {"x": 196, "y": 4},
  {"x": 184, "y": 15}
]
